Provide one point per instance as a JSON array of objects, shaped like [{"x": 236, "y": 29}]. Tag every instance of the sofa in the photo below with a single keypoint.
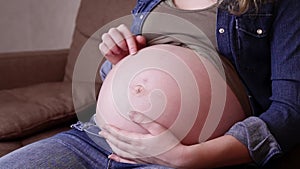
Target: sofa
[
  {"x": 44, "y": 92},
  {"x": 38, "y": 94}
]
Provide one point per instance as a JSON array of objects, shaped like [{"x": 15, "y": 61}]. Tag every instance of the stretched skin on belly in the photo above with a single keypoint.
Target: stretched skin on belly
[{"x": 162, "y": 94}]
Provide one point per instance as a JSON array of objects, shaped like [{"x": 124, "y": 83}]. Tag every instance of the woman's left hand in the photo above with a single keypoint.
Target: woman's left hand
[{"x": 160, "y": 146}]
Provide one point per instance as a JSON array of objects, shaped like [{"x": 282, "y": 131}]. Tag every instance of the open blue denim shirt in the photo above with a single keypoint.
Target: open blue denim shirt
[{"x": 264, "y": 47}]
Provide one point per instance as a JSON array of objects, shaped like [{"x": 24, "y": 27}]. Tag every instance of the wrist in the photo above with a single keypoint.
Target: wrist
[
  {"x": 176, "y": 157},
  {"x": 189, "y": 157},
  {"x": 219, "y": 152}
]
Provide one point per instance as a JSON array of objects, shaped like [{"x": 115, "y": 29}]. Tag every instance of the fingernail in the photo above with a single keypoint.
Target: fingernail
[
  {"x": 102, "y": 134},
  {"x": 114, "y": 157},
  {"x": 132, "y": 54},
  {"x": 132, "y": 51},
  {"x": 136, "y": 117}
]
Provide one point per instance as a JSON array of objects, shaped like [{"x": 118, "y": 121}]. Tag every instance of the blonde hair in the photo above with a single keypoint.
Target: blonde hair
[
  {"x": 245, "y": 4},
  {"x": 239, "y": 7}
]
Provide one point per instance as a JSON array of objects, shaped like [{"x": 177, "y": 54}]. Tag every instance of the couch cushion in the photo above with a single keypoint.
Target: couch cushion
[
  {"x": 27, "y": 110},
  {"x": 8, "y": 146},
  {"x": 17, "y": 70},
  {"x": 92, "y": 15}
]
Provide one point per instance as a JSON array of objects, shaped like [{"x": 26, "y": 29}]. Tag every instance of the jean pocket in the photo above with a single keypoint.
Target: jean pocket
[
  {"x": 256, "y": 25},
  {"x": 253, "y": 43}
]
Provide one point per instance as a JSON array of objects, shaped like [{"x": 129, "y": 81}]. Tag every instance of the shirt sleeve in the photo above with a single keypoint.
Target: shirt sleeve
[
  {"x": 277, "y": 129},
  {"x": 283, "y": 115},
  {"x": 255, "y": 135},
  {"x": 105, "y": 68}
]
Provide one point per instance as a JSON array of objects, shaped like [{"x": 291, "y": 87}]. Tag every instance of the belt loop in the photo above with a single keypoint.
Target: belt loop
[{"x": 79, "y": 126}]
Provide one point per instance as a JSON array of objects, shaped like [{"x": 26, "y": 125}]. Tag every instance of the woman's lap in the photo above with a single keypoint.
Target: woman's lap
[
  {"x": 71, "y": 149},
  {"x": 48, "y": 153}
]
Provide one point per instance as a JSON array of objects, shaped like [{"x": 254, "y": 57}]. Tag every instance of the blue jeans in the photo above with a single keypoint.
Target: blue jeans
[{"x": 72, "y": 149}]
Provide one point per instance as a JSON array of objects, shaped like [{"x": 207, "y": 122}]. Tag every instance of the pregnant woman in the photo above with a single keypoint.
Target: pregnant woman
[
  {"x": 257, "y": 39},
  {"x": 253, "y": 38}
]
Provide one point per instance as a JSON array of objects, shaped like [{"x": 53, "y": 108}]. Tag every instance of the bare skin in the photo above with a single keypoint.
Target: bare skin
[
  {"x": 193, "y": 4},
  {"x": 119, "y": 42}
]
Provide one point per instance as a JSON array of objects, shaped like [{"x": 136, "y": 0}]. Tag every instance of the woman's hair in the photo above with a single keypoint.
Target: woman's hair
[{"x": 239, "y": 7}]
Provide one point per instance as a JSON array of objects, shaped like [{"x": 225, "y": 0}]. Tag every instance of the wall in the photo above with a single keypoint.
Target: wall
[{"x": 27, "y": 25}]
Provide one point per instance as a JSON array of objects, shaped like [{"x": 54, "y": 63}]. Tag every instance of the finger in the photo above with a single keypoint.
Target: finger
[
  {"x": 141, "y": 148},
  {"x": 120, "y": 159},
  {"x": 123, "y": 135},
  {"x": 116, "y": 141},
  {"x": 104, "y": 50},
  {"x": 122, "y": 152},
  {"x": 137, "y": 145},
  {"x": 130, "y": 40},
  {"x": 122, "y": 156},
  {"x": 108, "y": 54},
  {"x": 110, "y": 43},
  {"x": 118, "y": 39},
  {"x": 141, "y": 41},
  {"x": 148, "y": 124}
]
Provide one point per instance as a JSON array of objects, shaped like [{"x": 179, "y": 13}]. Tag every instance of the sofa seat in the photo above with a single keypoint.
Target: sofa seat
[{"x": 28, "y": 110}]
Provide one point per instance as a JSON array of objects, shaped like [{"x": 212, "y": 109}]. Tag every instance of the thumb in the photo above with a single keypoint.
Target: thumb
[
  {"x": 141, "y": 41},
  {"x": 145, "y": 122},
  {"x": 120, "y": 159}
]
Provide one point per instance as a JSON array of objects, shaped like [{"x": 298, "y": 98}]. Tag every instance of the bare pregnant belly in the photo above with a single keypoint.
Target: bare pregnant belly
[{"x": 173, "y": 86}]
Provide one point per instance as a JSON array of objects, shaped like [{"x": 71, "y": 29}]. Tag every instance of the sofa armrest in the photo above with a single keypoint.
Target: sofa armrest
[{"x": 26, "y": 68}]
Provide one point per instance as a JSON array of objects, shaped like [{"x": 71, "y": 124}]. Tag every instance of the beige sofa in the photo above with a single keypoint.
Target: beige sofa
[{"x": 36, "y": 96}]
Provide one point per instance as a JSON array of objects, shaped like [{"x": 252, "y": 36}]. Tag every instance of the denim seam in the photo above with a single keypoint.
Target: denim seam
[{"x": 72, "y": 148}]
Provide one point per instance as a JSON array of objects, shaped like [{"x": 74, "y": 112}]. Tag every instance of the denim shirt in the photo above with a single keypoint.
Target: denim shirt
[{"x": 264, "y": 47}]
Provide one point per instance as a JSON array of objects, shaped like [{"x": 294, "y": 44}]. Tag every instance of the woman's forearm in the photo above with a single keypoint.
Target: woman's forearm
[{"x": 222, "y": 151}]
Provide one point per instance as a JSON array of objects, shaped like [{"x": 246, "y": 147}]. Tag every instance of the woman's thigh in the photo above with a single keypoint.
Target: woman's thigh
[
  {"x": 72, "y": 149},
  {"x": 65, "y": 150}
]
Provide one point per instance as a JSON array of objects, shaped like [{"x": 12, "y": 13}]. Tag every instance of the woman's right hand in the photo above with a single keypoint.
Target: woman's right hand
[{"x": 120, "y": 42}]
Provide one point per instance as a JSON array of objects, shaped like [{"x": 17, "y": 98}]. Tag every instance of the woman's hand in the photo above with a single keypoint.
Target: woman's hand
[
  {"x": 119, "y": 42},
  {"x": 160, "y": 146}
]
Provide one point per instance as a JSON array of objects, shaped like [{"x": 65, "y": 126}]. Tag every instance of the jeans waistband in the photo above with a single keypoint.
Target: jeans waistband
[{"x": 92, "y": 130}]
